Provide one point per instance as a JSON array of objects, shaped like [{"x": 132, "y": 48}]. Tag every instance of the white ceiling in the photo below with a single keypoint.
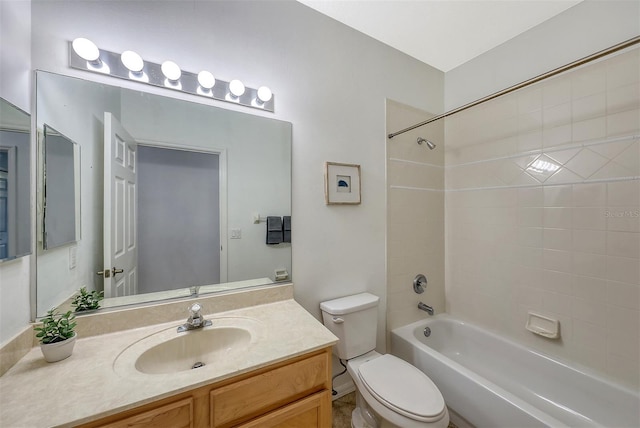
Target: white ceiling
[{"x": 441, "y": 33}]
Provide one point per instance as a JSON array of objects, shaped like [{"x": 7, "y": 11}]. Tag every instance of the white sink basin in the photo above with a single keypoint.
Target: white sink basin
[
  {"x": 168, "y": 351},
  {"x": 193, "y": 349}
]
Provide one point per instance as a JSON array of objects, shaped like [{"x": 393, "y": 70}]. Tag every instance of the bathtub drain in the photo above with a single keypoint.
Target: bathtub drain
[
  {"x": 197, "y": 365},
  {"x": 427, "y": 332}
]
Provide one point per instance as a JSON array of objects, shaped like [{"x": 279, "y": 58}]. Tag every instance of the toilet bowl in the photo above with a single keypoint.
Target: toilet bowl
[{"x": 396, "y": 393}]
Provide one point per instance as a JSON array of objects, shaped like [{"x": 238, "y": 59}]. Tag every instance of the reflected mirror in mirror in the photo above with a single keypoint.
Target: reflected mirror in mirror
[
  {"x": 15, "y": 179},
  {"x": 61, "y": 191},
  {"x": 169, "y": 190}
]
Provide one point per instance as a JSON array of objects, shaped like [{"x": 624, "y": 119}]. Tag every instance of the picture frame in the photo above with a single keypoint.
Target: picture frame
[{"x": 342, "y": 184}]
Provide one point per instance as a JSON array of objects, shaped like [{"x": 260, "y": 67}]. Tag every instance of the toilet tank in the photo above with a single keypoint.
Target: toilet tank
[{"x": 354, "y": 319}]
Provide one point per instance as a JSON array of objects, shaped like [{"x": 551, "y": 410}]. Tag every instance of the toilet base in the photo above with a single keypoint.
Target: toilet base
[
  {"x": 363, "y": 416},
  {"x": 358, "y": 421}
]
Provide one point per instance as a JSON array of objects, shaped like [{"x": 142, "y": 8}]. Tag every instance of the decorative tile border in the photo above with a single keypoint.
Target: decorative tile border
[
  {"x": 593, "y": 161},
  {"x": 526, "y": 186},
  {"x": 560, "y": 148}
]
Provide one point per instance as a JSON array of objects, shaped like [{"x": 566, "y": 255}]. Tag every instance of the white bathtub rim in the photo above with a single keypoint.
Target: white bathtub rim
[
  {"x": 570, "y": 365},
  {"x": 406, "y": 332}
]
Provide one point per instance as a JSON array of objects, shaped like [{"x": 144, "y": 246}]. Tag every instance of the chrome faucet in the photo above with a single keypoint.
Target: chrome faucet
[
  {"x": 428, "y": 309},
  {"x": 195, "y": 320}
]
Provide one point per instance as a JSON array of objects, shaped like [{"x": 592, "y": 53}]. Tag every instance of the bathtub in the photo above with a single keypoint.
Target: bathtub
[{"x": 492, "y": 382}]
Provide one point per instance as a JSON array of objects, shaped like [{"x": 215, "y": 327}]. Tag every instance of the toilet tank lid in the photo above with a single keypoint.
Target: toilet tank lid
[{"x": 346, "y": 305}]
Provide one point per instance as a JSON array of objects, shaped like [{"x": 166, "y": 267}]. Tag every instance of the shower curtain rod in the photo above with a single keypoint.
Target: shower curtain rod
[{"x": 521, "y": 85}]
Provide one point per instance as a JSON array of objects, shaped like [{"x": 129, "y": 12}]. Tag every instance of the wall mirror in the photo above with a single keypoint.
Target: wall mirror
[
  {"x": 15, "y": 182},
  {"x": 173, "y": 195},
  {"x": 61, "y": 189}
]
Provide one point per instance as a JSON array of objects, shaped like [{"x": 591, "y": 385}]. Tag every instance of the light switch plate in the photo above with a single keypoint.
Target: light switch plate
[{"x": 73, "y": 257}]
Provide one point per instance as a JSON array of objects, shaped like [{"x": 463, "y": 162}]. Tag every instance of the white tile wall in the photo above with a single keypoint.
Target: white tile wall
[
  {"x": 415, "y": 216},
  {"x": 564, "y": 241}
]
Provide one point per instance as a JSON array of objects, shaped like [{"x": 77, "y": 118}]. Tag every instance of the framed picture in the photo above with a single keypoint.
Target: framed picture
[{"x": 341, "y": 183}]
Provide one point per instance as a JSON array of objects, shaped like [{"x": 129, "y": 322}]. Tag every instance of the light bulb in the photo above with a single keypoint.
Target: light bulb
[
  {"x": 264, "y": 94},
  {"x": 132, "y": 61},
  {"x": 236, "y": 87},
  {"x": 206, "y": 79},
  {"x": 86, "y": 49},
  {"x": 171, "y": 70}
]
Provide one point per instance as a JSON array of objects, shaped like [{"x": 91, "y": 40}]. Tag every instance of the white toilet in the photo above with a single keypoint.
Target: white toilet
[{"x": 390, "y": 391}]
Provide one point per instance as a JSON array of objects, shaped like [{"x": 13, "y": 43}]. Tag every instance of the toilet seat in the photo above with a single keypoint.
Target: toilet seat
[{"x": 402, "y": 388}]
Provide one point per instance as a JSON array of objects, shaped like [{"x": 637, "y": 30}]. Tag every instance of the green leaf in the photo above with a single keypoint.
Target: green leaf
[
  {"x": 56, "y": 327},
  {"x": 86, "y": 300}
]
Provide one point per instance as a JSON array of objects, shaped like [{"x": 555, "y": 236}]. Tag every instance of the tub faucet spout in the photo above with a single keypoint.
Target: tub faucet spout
[{"x": 428, "y": 309}]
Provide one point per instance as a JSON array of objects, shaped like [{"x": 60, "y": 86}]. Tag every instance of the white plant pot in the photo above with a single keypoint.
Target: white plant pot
[{"x": 58, "y": 351}]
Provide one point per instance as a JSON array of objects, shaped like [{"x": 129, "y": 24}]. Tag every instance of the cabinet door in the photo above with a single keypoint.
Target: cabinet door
[
  {"x": 175, "y": 415},
  {"x": 313, "y": 411},
  {"x": 244, "y": 400}
]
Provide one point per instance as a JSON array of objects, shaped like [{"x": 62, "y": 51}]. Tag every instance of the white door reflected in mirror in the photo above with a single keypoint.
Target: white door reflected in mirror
[{"x": 120, "y": 225}]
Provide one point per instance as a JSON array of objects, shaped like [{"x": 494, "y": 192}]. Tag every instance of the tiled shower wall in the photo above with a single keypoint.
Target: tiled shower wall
[
  {"x": 415, "y": 215},
  {"x": 543, "y": 214}
]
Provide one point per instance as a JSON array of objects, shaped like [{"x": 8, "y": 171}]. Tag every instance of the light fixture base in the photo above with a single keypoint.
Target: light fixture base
[{"x": 153, "y": 76}]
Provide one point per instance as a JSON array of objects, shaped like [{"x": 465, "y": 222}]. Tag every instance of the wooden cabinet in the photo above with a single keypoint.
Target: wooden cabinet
[
  {"x": 293, "y": 393},
  {"x": 177, "y": 415},
  {"x": 246, "y": 399},
  {"x": 312, "y": 411}
]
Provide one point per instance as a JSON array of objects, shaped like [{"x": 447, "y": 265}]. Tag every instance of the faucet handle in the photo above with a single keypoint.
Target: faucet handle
[{"x": 195, "y": 309}]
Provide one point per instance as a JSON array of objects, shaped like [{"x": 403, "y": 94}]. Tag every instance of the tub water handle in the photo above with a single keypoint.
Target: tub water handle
[
  {"x": 419, "y": 283},
  {"x": 338, "y": 320}
]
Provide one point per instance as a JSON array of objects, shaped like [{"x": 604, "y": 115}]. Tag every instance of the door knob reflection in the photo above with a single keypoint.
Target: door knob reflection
[{"x": 106, "y": 273}]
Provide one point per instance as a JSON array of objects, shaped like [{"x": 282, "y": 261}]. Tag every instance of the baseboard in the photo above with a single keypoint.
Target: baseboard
[{"x": 343, "y": 389}]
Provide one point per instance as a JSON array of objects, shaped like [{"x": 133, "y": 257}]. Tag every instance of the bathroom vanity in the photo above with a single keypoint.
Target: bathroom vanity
[
  {"x": 295, "y": 393},
  {"x": 267, "y": 362}
]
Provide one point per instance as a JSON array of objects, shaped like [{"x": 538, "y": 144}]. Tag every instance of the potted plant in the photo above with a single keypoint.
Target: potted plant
[
  {"x": 86, "y": 301},
  {"x": 57, "y": 335}
]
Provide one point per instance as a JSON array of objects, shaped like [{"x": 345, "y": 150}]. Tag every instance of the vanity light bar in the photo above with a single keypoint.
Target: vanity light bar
[{"x": 111, "y": 64}]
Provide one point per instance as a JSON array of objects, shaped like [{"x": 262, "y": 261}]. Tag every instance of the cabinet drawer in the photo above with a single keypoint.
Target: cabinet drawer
[
  {"x": 175, "y": 415},
  {"x": 244, "y": 400},
  {"x": 308, "y": 412}
]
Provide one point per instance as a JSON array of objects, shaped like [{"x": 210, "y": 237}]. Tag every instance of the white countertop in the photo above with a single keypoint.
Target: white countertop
[{"x": 85, "y": 386}]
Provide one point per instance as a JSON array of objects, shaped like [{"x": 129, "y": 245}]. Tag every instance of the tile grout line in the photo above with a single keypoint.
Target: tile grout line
[{"x": 524, "y": 186}]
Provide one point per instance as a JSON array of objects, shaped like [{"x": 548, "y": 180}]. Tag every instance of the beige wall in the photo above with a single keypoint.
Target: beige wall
[
  {"x": 415, "y": 215},
  {"x": 337, "y": 250},
  {"x": 589, "y": 26},
  {"x": 564, "y": 243}
]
